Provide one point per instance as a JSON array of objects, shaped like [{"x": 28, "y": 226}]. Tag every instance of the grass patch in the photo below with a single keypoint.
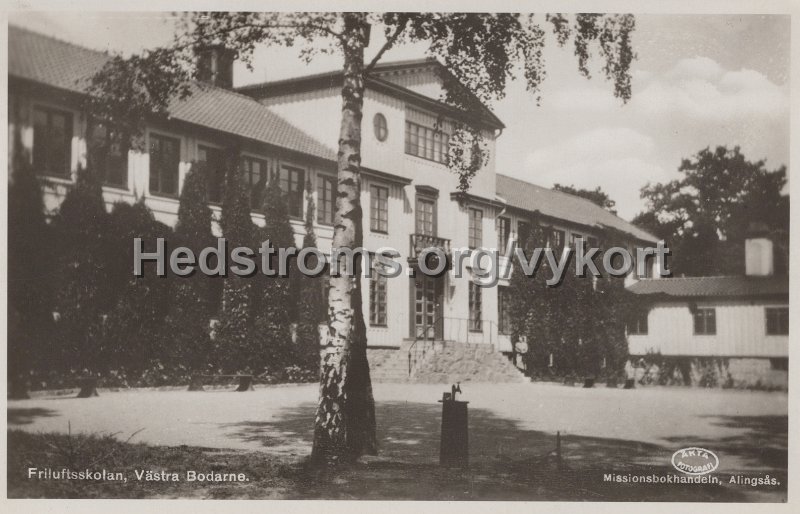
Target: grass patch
[{"x": 277, "y": 477}]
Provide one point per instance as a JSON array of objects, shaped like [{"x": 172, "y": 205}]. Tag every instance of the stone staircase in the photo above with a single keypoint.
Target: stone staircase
[{"x": 442, "y": 362}]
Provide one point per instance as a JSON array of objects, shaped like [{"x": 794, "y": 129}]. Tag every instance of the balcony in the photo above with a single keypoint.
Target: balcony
[{"x": 420, "y": 242}]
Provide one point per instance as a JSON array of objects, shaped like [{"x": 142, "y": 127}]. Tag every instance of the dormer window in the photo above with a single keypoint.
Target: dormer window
[
  {"x": 427, "y": 136},
  {"x": 425, "y": 142}
]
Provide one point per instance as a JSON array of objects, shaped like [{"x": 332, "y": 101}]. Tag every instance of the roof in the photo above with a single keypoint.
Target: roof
[
  {"x": 66, "y": 66},
  {"x": 333, "y": 79},
  {"x": 557, "y": 204},
  {"x": 704, "y": 287}
]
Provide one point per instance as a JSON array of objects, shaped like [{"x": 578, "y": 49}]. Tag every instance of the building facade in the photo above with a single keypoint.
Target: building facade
[
  {"x": 741, "y": 323},
  {"x": 288, "y": 131}
]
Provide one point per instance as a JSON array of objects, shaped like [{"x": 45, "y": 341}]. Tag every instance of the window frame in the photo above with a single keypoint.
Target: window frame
[
  {"x": 705, "y": 331},
  {"x": 427, "y": 143},
  {"x": 218, "y": 175},
  {"x": 323, "y": 179},
  {"x": 639, "y": 325},
  {"x": 475, "y": 228},
  {"x": 378, "y": 297},
  {"x": 289, "y": 168},
  {"x": 45, "y": 169},
  {"x": 378, "y": 205},
  {"x": 475, "y": 323},
  {"x": 108, "y": 141},
  {"x": 158, "y": 191},
  {"x": 427, "y": 200},
  {"x": 246, "y": 161},
  {"x": 780, "y": 324},
  {"x": 503, "y": 229},
  {"x": 504, "y": 299}
]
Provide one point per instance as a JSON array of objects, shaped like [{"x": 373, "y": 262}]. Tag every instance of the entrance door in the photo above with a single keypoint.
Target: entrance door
[{"x": 427, "y": 299}]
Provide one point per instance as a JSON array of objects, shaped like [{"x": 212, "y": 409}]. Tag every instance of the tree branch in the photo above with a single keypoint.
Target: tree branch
[
  {"x": 193, "y": 40},
  {"x": 386, "y": 46}
]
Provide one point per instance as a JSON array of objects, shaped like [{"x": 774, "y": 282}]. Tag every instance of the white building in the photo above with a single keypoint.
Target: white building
[
  {"x": 740, "y": 321},
  {"x": 289, "y": 129}
]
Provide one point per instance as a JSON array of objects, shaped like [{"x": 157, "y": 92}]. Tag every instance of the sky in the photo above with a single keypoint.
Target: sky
[{"x": 698, "y": 81}]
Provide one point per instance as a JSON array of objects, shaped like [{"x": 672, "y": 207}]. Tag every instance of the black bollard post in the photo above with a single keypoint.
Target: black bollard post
[{"x": 454, "y": 449}]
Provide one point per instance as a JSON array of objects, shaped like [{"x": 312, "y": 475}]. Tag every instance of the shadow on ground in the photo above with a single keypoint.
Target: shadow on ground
[
  {"x": 20, "y": 416},
  {"x": 511, "y": 463}
]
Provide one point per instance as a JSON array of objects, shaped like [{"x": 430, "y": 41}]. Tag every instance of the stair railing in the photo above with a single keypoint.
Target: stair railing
[{"x": 413, "y": 348}]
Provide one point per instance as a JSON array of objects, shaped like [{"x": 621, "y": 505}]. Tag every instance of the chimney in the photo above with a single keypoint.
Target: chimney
[
  {"x": 758, "y": 253},
  {"x": 215, "y": 65}
]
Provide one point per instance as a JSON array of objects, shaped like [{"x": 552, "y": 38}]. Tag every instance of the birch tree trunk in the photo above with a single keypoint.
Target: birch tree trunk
[{"x": 344, "y": 427}]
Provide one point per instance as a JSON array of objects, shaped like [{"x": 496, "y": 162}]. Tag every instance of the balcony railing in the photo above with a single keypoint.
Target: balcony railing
[{"x": 420, "y": 242}]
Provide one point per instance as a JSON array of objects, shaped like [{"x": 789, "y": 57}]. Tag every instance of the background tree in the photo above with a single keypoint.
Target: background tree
[
  {"x": 705, "y": 215},
  {"x": 186, "y": 334},
  {"x": 82, "y": 280},
  {"x": 310, "y": 309},
  {"x": 480, "y": 52},
  {"x": 29, "y": 287},
  {"x": 231, "y": 342},
  {"x": 272, "y": 325},
  {"x": 596, "y": 196}
]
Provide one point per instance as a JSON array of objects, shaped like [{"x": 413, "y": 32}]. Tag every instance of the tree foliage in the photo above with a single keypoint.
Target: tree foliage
[
  {"x": 705, "y": 215},
  {"x": 231, "y": 341},
  {"x": 597, "y": 196},
  {"x": 272, "y": 347},
  {"x": 30, "y": 291},
  {"x": 187, "y": 326},
  {"x": 573, "y": 330},
  {"x": 136, "y": 320},
  {"x": 83, "y": 288}
]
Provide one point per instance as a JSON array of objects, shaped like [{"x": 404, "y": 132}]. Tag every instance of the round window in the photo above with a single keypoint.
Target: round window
[{"x": 379, "y": 124}]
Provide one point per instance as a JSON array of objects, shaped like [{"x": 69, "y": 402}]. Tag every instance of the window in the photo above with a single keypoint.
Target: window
[
  {"x": 705, "y": 321},
  {"x": 326, "y": 203},
  {"x": 779, "y": 364},
  {"x": 426, "y": 216},
  {"x": 109, "y": 154},
  {"x": 504, "y": 310},
  {"x": 426, "y": 142},
  {"x": 503, "y": 233},
  {"x": 475, "y": 306},
  {"x": 638, "y": 325},
  {"x": 292, "y": 181},
  {"x": 379, "y": 209},
  {"x": 255, "y": 176},
  {"x": 377, "y": 299},
  {"x": 475, "y": 228},
  {"x": 777, "y": 321},
  {"x": 380, "y": 127},
  {"x": 214, "y": 160},
  {"x": 524, "y": 234},
  {"x": 52, "y": 142},
  {"x": 164, "y": 161},
  {"x": 556, "y": 239}
]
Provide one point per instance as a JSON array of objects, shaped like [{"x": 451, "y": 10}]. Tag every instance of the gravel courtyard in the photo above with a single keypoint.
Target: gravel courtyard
[{"x": 601, "y": 428}]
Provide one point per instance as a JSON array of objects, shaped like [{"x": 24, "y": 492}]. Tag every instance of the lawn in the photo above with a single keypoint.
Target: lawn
[{"x": 266, "y": 435}]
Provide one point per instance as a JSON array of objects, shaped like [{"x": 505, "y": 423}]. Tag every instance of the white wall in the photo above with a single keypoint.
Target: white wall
[{"x": 741, "y": 331}]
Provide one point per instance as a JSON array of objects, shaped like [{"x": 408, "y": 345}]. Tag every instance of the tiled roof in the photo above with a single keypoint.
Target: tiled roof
[
  {"x": 44, "y": 59},
  {"x": 730, "y": 286},
  {"x": 47, "y": 60},
  {"x": 556, "y": 204}
]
